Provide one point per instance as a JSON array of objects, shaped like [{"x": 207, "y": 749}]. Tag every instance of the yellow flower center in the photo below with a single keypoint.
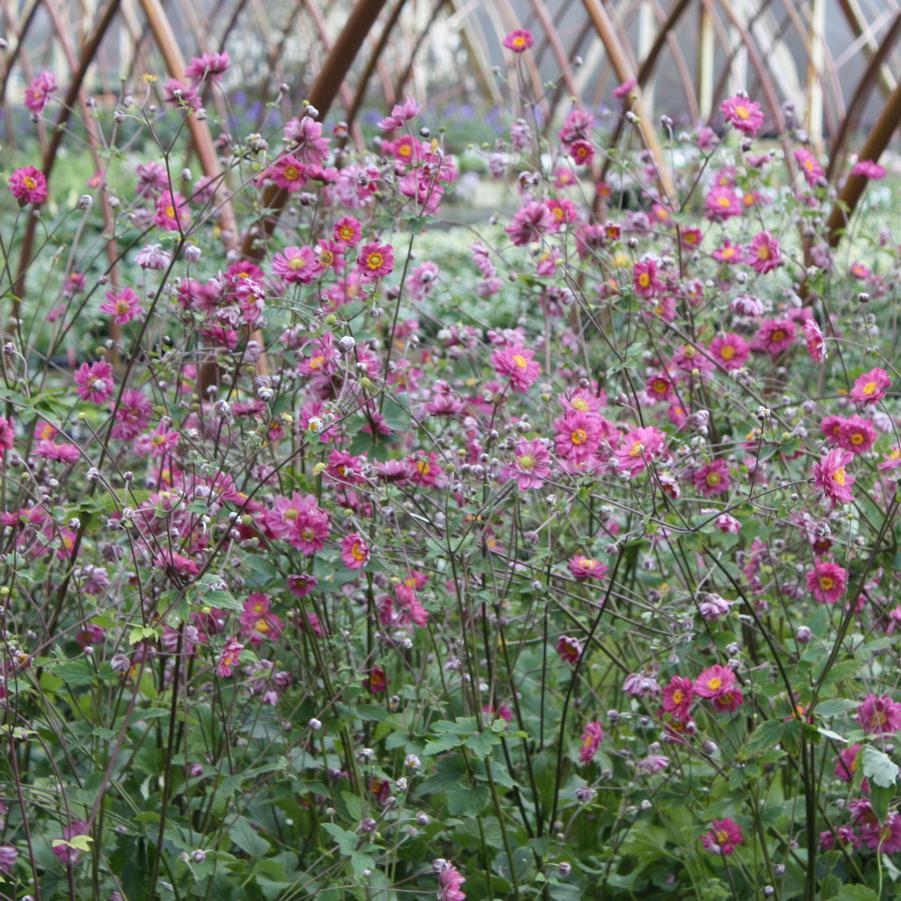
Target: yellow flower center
[
  {"x": 374, "y": 261},
  {"x": 526, "y": 461},
  {"x": 839, "y": 476},
  {"x": 727, "y": 352},
  {"x": 291, "y": 173},
  {"x": 869, "y": 389},
  {"x": 29, "y": 182},
  {"x": 579, "y": 436},
  {"x": 715, "y": 683},
  {"x": 742, "y": 112},
  {"x": 520, "y": 361},
  {"x": 827, "y": 583},
  {"x": 713, "y": 478}
]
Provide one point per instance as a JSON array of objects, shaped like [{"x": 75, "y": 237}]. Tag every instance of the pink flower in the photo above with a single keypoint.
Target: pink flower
[
  {"x": 879, "y": 715},
  {"x": 810, "y": 168},
  {"x": 300, "y": 521},
  {"x": 624, "y": 89},
  {"x": 7, "y": 436},
  {"x": 229, "y": 658},
  {"x": 94, "y": 383},
  {"x": 644, "y": 278},
  {"x": 123, "y": 306},
  {"x": 530, "y": 223},
  {"x": 288, "y": 173},
  {"x": 830, "y": 477},
  {"x": 530, "y": 466},
  {"x": 678, "y": 696},
  {"x": 868, "y": 169},
  {"x": 172, "y": 213},
  {"x": 182, "y": 95},
  {"x": 64, "y": 852},
  {"x": 37, "y": 94},
  {"x": 28, "y": 185},
  {"x": 519, "y": 40},
  {"x": 816, "y": 344},
  {"x": 827, "y": 581},
  {"x": 712, "y": 478},
  {"x": 258, "y": 621},
  {"x": 723, "y": 837},
  {"x": 375, "y": 260},
  {"x": 297, "y": 265},
  {"x": 592, "y": 736},
  {"x": 722, "y": 203},
  {"x": 577, "y": 436},
  {"x": 210, "y": 66},
  {"x": 584, "y": 568},
  {"x": 163, "y": 440},
  {"x": 871, "y": 387},
  {"x": 581, "y": 152},
  {"x": 516, "y": 364},
  {"x": 764, "y": 253},
  {"x": 717, "y": 684},
  {"x": 775, "y": 336},
  {"x": 354, "y": 551},
  {"x": 846, "y": 763},
  {"x": 728, "y": 524},
  {"x": 569, "y": 649},
  {"x": 638, "y": 447},
  {"x": 743, "y": 114},
  {"x": 133, "y": 414},
  {"x": 450, "y": 879},
  {"x": 730, "y": 351},
  {"x": 856, "y": 434},
  {"x": 347, "y": 231}
]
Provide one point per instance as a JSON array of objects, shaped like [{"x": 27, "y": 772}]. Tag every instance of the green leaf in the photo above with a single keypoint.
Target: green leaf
[
  {"x": 247, "y": 838},
  {"x": 346, "y": 841},
  {"x": 835, "y": 707},
  {"x": 482, "y": 743},
  {"x": 467, "y": 802},
  {"x": 857, "y": 893},
  {"x": 765, "y": 736},
  {"x": 443, "y": 743},
  {"x": 878, "y": 767},
  {"x": 880, "y": 798}
]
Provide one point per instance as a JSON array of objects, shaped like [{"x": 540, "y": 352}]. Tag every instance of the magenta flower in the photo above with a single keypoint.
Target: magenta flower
[
  {"x": 208, "y": 66},
  {"x": 816, "y": 344},
  {"x": 304, "y": 136},
  {"x": 584, "y": 568},
  {"x": 644, "y": 278},
  {"x": 830, "y": 477},
  {"x": 764, "y": 253},
  {"x": 8, "y": 856},
  {"x": 592, "y": 736},
  {"x": 723, "y": 838},
  {"x": 712, "y": 478},
  {"x": 122, "y": 306},
  {"x": 743, "y": 114},
  {"x": 288, "y": 173},
  {"x": 871, "y": 387},
  {"x": 718, "y": 685},
  {"x": 133, "y": 414},
  {"x": 775, "y": 336},
  {"x": 516, "y": 364},
  {"x": 297, "y": 265},
  {"x": 856, "y": 434},
  {"x": 530, "y": 223},
  {"x": 827, "y": 581},
  {"x": 730, "y": 351},
  {"x": 94, "y": 382},
  {"x": 450, "y": 881},
  {"x": 519, "y": 40},
  {"x": 879, "y": 715},
  {"x": 578, "y": 436},
  {"x": 172, "y": 213},
  {"x": 258, "y": 621},
  {"x": 347, "y": 231},
  {"x": 868, "y": 169},
  {"x": 638, "y": 447},
  {"x": 846, "y": 762},
  {"x": 28, "y": 185},
  {"x": 678, "y": 695},
  {"x": 722, "y": 203},
  {"x": 7, "y": 436},
  {"x": 624, "y": 89},
  {"x": 375, "y": 260},
  {"x": 354, "y": 551},
  {"x": 810, "y": 168},
  {"x": 581, "y": 152},
  {"x": 569, "y": 649},
  {"x": 182, "y": 95},
  {"x": 530, "y": 466},
  {"x": 300, "y": 521},
  {"x": 163, "y": 440},
  {"x": 229, "y": 658},
  {"x": 65, "y": 853},
  {"x": 37, "y": 94}
]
